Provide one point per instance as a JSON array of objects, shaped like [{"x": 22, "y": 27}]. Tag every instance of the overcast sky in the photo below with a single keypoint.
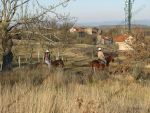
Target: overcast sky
[{"x": 105, "y": 10}]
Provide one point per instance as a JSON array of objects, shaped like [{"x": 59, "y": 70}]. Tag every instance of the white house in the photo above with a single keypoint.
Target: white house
[
  {"x": 88, "y": 31},
  {"x": 123, "y": 42},
  {"x": 72, "y": 30}
]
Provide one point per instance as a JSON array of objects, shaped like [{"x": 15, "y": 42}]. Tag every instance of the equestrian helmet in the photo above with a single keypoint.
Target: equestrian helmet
[
  {"x": 99, "y": 49},
  {"x": 47, "y": 51}
]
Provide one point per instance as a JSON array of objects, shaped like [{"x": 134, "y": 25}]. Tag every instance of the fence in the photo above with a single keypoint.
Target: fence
[
  {"x": 22, "y": 59},
  {"x": 1, "y": 62},
  {"x": 0, "y": 66},
  {"x": 38, "y": 57}
]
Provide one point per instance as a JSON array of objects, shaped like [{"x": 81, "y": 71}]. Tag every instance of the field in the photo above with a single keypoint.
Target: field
[
  {"x": 43, "y": 92},
  {"x": 74, "y": 89},
  {"x": 75, "y": 79}
]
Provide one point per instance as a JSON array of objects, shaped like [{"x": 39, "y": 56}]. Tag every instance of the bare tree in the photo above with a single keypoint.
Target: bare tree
[
  {"x": 13, "y": 16},
  {"x": 67, "y": 24}
]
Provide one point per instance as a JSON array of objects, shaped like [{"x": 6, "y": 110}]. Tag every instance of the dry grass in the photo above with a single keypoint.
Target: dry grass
[
  {"x": 73, "y": 90},
  {"x": 37, "y": 91}
]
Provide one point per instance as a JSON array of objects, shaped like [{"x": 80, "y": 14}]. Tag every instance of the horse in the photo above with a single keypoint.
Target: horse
[
  {"x": 99, "y": 64},
  {"x": 57, "y": 63},
  {"x": 54, "y": 63}
]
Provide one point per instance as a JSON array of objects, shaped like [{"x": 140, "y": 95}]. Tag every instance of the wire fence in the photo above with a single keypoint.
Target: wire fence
[
  {"x": 20, "y": 60},
  {"x": 1, "y": 61}
]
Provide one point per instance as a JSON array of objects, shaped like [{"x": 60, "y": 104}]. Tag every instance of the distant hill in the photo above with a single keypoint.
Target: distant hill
[
  {"x": 112, "y": 23},
  {"x": 113, "y": 26}
]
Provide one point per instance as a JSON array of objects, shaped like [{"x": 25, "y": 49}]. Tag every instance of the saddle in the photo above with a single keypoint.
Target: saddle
[{"x": 101, "y": 61}]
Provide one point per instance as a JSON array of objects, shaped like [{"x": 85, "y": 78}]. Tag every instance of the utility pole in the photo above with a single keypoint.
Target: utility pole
[{"x": 128, "y": 15}]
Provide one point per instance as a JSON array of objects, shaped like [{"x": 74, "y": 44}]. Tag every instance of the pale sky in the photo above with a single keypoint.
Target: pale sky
[{"x": 105, "y": 10}]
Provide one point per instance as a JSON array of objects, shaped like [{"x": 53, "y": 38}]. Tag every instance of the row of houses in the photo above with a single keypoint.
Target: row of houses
[
  {"x": 85, "y": 30},
  {"x": 123, "y": 40}
]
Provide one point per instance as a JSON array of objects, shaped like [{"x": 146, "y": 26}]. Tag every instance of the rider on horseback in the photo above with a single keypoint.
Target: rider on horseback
[
  {"x": 101, "y": 56},
  {"x": 47, "y": 58}
]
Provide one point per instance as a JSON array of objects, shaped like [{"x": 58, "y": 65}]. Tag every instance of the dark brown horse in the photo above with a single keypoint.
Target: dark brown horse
[
  {"x": 57, "y": 63},
  {"x": 98, "y": 64}
]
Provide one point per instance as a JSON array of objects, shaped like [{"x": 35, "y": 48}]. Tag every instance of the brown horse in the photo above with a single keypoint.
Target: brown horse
[
  {"x": 98, "y": 64},
  {"x": 57, "y": 63}
]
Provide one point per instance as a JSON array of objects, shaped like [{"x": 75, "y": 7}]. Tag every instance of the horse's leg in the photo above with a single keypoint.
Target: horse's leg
[
  {"x": 49, "y": 65},
  {"x": 103, "y": 67},
  {"x": 61, "y": 64},
  {"x": 94, "y": 70}
]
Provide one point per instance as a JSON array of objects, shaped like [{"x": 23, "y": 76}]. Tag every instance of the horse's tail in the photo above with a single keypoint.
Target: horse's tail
[
  {"x": 91, "y": 64},
  {"x": 62, "y": 59},
  {"x": 61, "y": 62},
  {"x": 65, "y": 59}
]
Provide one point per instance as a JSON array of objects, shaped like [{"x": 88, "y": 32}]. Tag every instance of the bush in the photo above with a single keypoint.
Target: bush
[{"x": 138, "y": 71}]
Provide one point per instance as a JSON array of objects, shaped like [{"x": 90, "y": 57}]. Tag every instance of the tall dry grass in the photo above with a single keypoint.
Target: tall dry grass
[{"x": 40, "y": 91}]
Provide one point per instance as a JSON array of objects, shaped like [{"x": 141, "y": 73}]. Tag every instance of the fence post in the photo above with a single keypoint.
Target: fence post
[
  {"x": 26, "y": 59},
  {"x": 43, "y": 57},
  {"x": 19, "y": 62},
  {"x": 1, "y": 66},
  {"x": 38, "y": 56},
  {"x": 56, "y": 57},
  {"x": 94, "y": 70},
  {"x": 58, "y": 54},
  {"x": 92, "y": 55}
]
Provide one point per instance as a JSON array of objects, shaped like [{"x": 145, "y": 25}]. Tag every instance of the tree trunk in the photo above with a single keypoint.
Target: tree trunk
[{"x": 7, "y": 44}]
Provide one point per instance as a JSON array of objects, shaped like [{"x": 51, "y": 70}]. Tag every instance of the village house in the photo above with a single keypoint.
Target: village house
[
  {"x": 88, "y": 31},
  {"x": 95, "y": 31},
  {"x": 104, "y": 40},
  {"x": 80, "y": 30},
  {"x": 73, "y": 30},
  {"x": 83, "y": 30},
  {"x": 123, "y": 42}
]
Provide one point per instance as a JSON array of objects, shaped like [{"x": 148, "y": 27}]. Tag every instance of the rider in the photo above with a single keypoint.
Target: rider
[
  {"x": 47, "y": 58},
  {"x": 101, "y": 56}
]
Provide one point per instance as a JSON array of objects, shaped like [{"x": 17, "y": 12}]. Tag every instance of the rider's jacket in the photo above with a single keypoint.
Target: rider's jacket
[{"x": 100, "y": 55}]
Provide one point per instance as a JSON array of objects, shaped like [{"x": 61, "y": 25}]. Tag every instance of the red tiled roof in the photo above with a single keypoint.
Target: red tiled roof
[{"x": 120, "y": 38}]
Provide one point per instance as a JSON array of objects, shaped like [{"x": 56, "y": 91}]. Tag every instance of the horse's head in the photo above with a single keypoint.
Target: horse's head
[
  {"x": 110, "y": 58},
  {"x": 57, "y": 63}
]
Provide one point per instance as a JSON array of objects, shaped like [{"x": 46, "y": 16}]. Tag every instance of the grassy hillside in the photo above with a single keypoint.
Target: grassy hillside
[
  {"x": 37, "y": 91},
  {"x": 76, "y": 88}
]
